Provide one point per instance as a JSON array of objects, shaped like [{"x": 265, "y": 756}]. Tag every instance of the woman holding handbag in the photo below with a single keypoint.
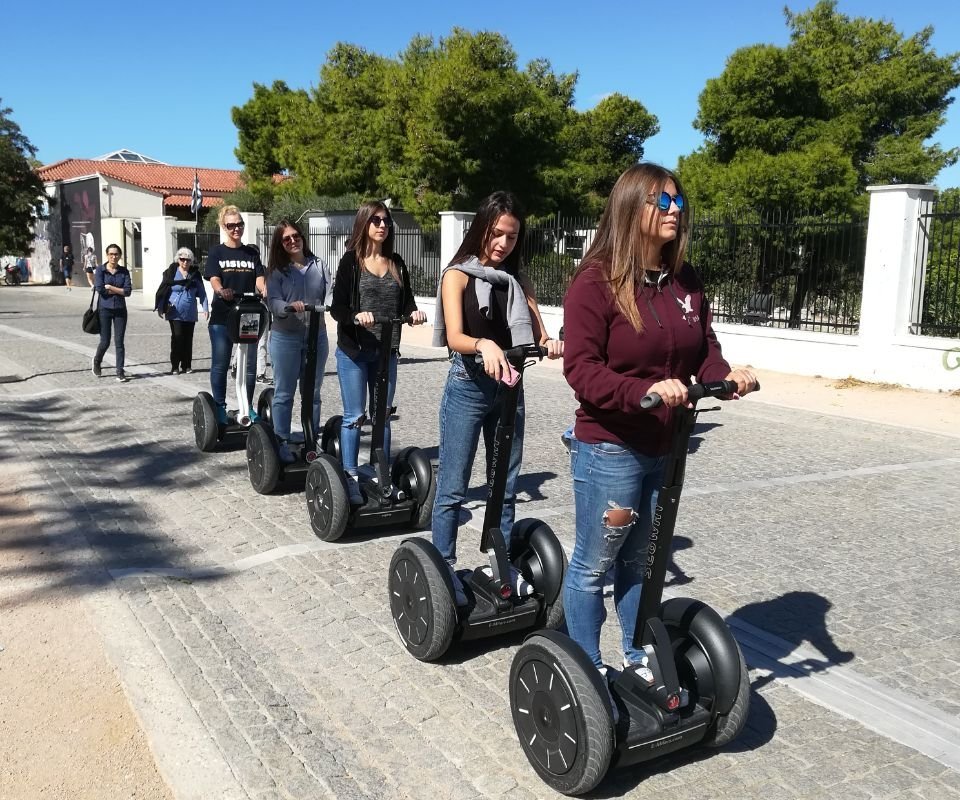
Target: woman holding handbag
[
  {"x": 112, "y": 283},
  {"x": 177, "y": 302}
]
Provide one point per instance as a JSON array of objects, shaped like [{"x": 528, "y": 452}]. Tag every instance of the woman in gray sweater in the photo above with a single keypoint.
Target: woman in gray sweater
[{"x": 295, "y": 277}]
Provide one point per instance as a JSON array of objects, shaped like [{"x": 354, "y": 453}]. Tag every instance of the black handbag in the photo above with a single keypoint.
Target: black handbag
[{"x": 91, "y": 317}]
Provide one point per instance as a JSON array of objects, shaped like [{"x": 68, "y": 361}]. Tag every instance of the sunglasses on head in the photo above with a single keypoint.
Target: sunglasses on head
[
  {"x": 664, "y": 200},
  {"x": 378, "y": 221},
  {"x": 291, "y": 238},
  {"x": 233, "y": 226}
]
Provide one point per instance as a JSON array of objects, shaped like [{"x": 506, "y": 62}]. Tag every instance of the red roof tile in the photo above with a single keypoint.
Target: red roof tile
[
  {"x": 159, "y": 178},
  {"x": 183, "y": 200}
]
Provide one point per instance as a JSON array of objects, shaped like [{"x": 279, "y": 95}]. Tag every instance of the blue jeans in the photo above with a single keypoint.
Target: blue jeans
[
  {"x": 220, "y": 346},
  {"x": 117, "y": 317},
  {"x": 607, "y": 477},
  {"x": 357, "y": 378},
  {"x": 288, "y": 351},
  {"x": 470, "y": 407}
]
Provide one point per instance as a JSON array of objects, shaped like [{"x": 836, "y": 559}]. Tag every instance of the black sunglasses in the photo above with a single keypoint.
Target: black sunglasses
[
  {"x": 232, "y": 226},
  {"x": 663, "y": 202},
  {"x": 378, "y": 221},
  {"x": 293, "y": 237},
  {"x": 185, "y": 259}
]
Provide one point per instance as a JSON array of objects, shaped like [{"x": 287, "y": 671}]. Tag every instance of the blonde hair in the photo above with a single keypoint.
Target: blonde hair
[
  {"x": 617, "y": 248},
  {"x": 225, "y": 212}
]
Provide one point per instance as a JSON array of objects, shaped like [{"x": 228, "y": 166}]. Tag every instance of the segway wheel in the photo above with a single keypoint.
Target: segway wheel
[
  {"x": 205, "y": 429},
  {"x": 263, "y": 464},
  {"x": 561, "y": 712},
  {"x": 413, "y": 472},
  {"x": 328, "y": 504},
  {"x": 265, "y": 405},
  {"x": 421, "y": 601},
  {"x": 330, "y": 437},
  {"x": 710, "y": 665},
  {"x": 537, "y": 553}
]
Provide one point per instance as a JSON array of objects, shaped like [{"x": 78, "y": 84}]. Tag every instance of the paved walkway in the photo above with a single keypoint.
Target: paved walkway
[{"x": 263, "y": 662}]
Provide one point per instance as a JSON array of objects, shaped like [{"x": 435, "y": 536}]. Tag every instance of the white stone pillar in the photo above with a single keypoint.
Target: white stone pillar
[
  {"x": 453, "y": 227},
  {"x": 159, "y": 239},
  {"x": 893, "y": 266}
]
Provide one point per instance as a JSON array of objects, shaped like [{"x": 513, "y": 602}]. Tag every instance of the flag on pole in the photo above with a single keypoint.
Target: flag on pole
[{"x": 196, "y": 196}]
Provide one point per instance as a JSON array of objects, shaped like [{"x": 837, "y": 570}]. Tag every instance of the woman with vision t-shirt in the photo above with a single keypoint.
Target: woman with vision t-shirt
[
  {"x": 233, "y": 268},
  {"x": 637, "y": 321}
]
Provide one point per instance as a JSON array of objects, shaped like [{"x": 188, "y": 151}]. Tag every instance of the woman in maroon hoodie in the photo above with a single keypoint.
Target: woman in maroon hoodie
[{"x": 636, "y": 321}]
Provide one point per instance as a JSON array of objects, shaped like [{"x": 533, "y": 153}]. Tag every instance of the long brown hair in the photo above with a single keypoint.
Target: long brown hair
[
  {"x": 278, "y": 258},
  {"x": 617, "y": 247},
  {"x": 360, "y": 237}
]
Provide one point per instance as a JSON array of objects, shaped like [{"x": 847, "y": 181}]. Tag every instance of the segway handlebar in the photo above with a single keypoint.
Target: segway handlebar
[
  {"x": 696, "y": 393},
  {"x": 379, "y": 319},
  {"x": 308, "y": 307},
  {"x": 519, "y": 353}
]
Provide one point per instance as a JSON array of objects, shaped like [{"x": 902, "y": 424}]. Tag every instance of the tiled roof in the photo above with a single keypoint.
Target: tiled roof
[
  {"x": 160, "y": 178},
  {"x": 183, "y": 200}
]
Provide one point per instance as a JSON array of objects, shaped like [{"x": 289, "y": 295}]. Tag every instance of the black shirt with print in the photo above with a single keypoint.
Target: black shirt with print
[{"x": 237, "y": 268}]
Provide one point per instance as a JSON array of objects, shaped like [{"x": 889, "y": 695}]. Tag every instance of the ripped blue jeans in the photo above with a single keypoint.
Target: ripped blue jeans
[{"x": 615, "y": 491}]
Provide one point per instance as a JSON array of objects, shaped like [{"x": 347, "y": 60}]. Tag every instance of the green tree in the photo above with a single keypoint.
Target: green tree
[
  {"x": 847, "y": 103},
  {"x": 442, "y": 125},
  {"x": 21, "y": 190}
]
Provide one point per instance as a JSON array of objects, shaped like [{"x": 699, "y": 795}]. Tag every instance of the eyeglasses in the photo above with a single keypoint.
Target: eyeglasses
[
  {"x": 378, "y": 221},
  {"x": 663, "y": 202},
  {"x": 233, "y": 226},
  {"x": 113, "y": 255},
  {"x": 293, "y": 238}
]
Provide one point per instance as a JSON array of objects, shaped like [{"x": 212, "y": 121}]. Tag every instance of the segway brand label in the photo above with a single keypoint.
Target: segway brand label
[{"x": 249, "y": 327}]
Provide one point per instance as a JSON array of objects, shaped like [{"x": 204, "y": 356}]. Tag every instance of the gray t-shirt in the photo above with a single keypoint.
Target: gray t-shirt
[{"x": 379, "y": 296}]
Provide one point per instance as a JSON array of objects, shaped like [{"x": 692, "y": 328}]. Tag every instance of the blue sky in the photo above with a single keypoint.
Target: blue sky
[{"x": 87, "y": 78}]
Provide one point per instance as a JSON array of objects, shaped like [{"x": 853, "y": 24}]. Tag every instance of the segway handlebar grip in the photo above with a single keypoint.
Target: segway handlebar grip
[
  {"x": 379, "y": 319},
  {"x": 696, "y": 392},
  {"x": 308, "y": 307},
  {"x": 519, "y": 353}
]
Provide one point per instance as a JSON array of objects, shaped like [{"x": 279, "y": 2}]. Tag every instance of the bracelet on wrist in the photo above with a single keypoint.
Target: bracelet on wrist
[{"x": 476, "y": 345}]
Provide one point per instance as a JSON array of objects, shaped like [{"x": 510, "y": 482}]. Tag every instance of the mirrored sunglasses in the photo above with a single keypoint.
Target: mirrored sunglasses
[{"x": 664, "y": 200}]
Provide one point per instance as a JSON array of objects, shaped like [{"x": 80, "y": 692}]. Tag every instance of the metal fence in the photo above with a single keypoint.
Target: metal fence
[
  {"x": 782, "y": 270},
  {"x": 200, "y": 242},
  {"x": 937, "y": 304},
  {"x": 551, "y": 250}
]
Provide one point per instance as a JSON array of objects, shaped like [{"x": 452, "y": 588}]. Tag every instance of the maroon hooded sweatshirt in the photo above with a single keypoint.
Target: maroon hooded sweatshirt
[{"x": 611, "y": 367}]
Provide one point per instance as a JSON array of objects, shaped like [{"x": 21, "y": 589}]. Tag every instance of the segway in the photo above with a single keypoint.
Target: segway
[
  {"x": 420, "y": 586},
  {"x": 264, "y": 466},
  {"x": 691, "y": 689},
  {"x": 246, "y": 323},
  {"x": 412, "y": 475}
]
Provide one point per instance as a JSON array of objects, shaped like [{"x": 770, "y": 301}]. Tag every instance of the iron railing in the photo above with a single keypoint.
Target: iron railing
[
  {"x": 782, "y": 269},
  {"x": 200, "y": 242},
  {"x": 937, "y": 301},
  {"x": 550, "y": 252}
]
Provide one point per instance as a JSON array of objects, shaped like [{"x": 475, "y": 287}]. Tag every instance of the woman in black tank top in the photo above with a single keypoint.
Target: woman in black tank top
[
  {"x": 371, "y": 280},
  {"x": 480, "y": 320}
]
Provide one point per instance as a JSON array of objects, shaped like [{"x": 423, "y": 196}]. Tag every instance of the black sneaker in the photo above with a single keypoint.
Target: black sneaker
[
  {"x": 122, "y": 379},
  {"x": 95, "y": 369}
]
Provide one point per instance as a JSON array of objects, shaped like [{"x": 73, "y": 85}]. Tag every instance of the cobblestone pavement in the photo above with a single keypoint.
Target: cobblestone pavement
[{"x": 264, "y": 663}]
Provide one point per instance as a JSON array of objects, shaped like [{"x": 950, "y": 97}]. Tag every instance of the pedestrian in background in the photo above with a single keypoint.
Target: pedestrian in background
[
  {"x": 112, "y": 282},
  {"x": 179, "y": 292},
  {"x": 66, "y": 266},
  {"x": 89, "y": 265}
]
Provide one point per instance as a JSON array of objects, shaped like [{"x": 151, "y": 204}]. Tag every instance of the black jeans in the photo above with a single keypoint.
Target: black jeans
[
  {"x": 118, "y": 317},
  {"x": 181, "y": 344}
]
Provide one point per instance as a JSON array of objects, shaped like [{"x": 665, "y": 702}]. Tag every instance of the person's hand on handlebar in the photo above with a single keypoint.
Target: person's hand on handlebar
[
  {"x": 365, "y": 318},
  {"x": 418, "y": 317},
  {"x": 298, "y": 306},
  {"x": 672, "y": 392},
  {"x": 746, "y": 382},
  {"x": 494, "y": 361},
  {"x": 554, "y": 348},
  {"x": 226, "y": 294}
]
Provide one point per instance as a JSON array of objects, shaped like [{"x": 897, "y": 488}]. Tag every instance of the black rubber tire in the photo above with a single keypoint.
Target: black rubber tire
[
  {"x": 206, "y": 432},
  {"x": 710, "y": 665},
  {"x": 421, "y": 471},
  {"x": 265, "y": 405},
  {"x": 421, "y": 601},
  {"x": 330, "y": 437},
  {"x": 263, "y": 462},
  {"x": 536, "y": 551},
  {"x": 328, "y": 504},
  {"x": 561, "y": 714},
  {"x": 726, "y": 727}
]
